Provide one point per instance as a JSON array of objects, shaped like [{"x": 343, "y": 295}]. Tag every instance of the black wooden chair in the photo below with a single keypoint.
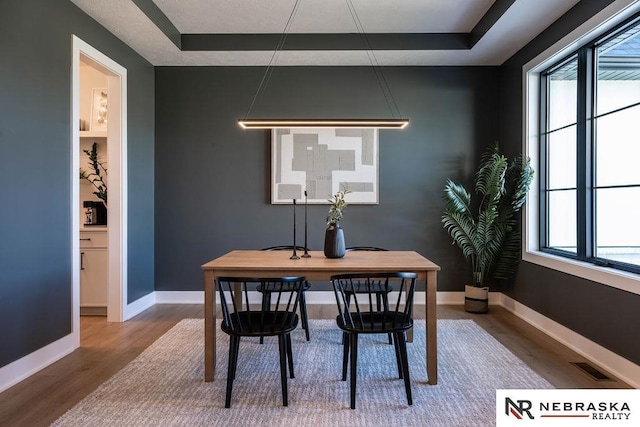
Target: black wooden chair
[
  {"x": 266, "y": 292},
  {"x": 380, "y": 290},
  {"x": 359, "y": 316},
  {"x": 239, "y": 320}
]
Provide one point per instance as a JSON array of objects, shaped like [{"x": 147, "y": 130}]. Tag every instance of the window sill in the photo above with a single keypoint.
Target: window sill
[{"x": 607, "y": 276}]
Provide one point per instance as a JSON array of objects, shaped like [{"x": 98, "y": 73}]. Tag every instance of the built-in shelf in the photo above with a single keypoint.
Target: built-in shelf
[{"x": 93, "y": 134}]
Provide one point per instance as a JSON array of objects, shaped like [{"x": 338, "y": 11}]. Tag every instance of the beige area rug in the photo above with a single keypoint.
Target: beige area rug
[{"x": 164, "y": 386}]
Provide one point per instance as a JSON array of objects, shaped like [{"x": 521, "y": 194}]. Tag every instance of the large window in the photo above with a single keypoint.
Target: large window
[{"x": 590, "y": 152}]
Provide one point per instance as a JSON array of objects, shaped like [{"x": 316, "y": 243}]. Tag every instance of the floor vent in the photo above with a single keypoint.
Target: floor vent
[{"x": 592, "y": 371}]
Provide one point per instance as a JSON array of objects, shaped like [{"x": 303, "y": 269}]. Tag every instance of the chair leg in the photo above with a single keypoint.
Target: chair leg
[
  {"x": 347, "y": 299},
  {"x": 402, "y": 344},
  {"x": 233, "y": 359},
  {"x": 385, "y": 300},
  {"x": 236, "y": 350},
  {"x": 398, "y": 358},
  {"x": 345, "y": 354},
  {"x": 303, "y": 314},
  {"x": 283, "y": 368},
  {"x": 354, "y": 368},
  {"x": 290, "y": 356},
  {"x": 266, "y": 302}
]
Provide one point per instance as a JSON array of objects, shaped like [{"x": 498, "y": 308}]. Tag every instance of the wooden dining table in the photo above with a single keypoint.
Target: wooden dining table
[{"x": 256, "y": 263}]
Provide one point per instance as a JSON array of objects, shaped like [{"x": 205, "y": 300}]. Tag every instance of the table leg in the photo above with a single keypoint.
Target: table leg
[
  {"x": 209, "y": 326},
  {"x": 432, "y": 327},
  {"x": 237, "y": 293}
]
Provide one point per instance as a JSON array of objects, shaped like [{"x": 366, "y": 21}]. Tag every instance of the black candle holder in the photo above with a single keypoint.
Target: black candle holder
[
  {"x": 306, "y": 253},
  {"x": 295, "y": 255}
]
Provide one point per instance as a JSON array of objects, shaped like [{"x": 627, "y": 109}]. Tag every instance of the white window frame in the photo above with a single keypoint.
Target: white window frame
[{"x": 597, "y": 25}]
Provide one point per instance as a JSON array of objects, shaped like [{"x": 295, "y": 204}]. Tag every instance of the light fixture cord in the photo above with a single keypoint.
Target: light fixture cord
[
  {"x": 382, "y": 81},
  {"x": 269, "y": 71}
]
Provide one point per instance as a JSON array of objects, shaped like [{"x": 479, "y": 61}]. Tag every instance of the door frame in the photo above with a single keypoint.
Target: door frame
[{"x": 117, "y": 163}]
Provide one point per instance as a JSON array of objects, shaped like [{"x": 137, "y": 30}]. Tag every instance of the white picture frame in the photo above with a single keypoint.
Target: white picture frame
[
  {"x": 322, "y": 161},
  {"x": 99, "y": 111}
]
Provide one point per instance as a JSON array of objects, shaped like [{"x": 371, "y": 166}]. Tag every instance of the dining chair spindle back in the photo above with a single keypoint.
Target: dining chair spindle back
[
  {"x": 359, "y": 315},
  {"x": 239, "y": 319},
  {"x": 266, "y": 292},
  {"x": 379, "y": 288}
]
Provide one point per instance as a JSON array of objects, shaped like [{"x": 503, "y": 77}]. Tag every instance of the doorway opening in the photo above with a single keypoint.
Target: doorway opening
[{"x": 112, "y": 134}]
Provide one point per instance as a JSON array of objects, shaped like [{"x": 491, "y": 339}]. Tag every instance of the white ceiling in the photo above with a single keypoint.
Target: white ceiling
[
  {"x": 323, "y": 16},
  {"x": 522, "y": 21}
]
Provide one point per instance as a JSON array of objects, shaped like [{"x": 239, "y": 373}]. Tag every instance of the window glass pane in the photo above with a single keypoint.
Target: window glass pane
[
  {"x": 561, "y": 158},
  {"x": 618, "y": 81},
  {"x": 617, "y": 229},
  {"x": 562, "y": 96},
  {"x": 609, "y": 150},
  {"x": 562, "y": 219},
  {"x": 618, "y": 148}
]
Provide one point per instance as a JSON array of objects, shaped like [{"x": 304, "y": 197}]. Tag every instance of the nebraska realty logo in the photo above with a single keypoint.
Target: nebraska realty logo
[{"x": 575, "y": 407}]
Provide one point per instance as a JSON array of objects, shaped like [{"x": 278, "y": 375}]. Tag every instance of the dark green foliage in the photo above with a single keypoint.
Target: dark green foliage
[
  {"x": 98, "y": 173},
  {"x": 491, "y": 239},
  {"x": 338, "y": 203}
]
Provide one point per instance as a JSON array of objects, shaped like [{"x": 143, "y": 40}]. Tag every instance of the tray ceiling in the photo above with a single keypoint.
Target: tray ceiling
[{"x": 399, "y": 32}]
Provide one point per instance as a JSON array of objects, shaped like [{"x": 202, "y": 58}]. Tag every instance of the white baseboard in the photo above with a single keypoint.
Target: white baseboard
[
  {"x": 139, "y": 305},
  {"x": 617, "y": 365},
  {"x": 23, "y": 368},
  {"x": 179, "y": 297}
]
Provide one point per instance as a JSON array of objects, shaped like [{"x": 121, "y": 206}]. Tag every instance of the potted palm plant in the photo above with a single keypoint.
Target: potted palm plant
[{"x": 488, "y": 238}]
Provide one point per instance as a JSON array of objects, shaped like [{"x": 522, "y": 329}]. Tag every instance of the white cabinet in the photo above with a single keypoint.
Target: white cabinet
[{"x": 93, "y": 271}]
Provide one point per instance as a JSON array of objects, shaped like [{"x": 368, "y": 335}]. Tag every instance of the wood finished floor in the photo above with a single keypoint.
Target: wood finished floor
[{"x": 107, "y": 347}]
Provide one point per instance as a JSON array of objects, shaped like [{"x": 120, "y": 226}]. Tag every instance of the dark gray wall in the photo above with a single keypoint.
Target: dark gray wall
[
  {"x": 213, "y": 177},
  {"x": 35, "y": 162},
  {"x": 605, "y": 315}
]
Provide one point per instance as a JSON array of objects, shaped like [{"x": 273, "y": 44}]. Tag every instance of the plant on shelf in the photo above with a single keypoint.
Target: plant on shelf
[
  {"x": 97, "y": 174},
  {"x": 334, "y": 246},
  {"x": 490, "y": 238}
]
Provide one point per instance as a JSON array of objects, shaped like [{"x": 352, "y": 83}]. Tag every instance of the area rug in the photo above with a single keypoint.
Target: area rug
[{"x": 164, "y": 386}]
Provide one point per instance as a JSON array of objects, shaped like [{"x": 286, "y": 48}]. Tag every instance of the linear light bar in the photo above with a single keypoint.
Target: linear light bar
[{"x": 326, "y": 123}]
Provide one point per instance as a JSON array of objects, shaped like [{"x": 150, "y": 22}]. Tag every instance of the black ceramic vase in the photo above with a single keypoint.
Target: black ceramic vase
[{"x": 334, "y": 241}]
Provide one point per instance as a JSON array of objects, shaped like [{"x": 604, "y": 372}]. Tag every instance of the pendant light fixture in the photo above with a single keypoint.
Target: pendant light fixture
[
  {"x": 268, "y": 123},
  {"x": 322, "y": 123}
]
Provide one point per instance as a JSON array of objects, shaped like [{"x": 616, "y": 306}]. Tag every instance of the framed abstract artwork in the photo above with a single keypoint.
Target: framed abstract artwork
[{"x": 321, "y": 161}]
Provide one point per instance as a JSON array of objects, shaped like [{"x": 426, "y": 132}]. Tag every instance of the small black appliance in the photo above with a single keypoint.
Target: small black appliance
[{"x": 95, "y": 214}]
